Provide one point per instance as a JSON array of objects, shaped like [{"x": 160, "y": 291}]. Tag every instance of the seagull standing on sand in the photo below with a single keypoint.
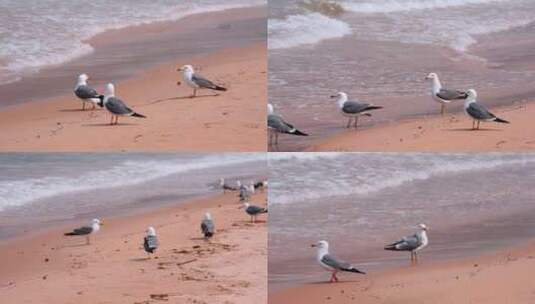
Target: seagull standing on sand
[
  {"x": 253, "y": 210},
  {"x": 246, "y": 192},
  {"x": 353, "y": 109},
  {"x": 207, "y": 226},
  {"x": 116, "y": 106},
  {"x": 443, "y": 95},
  {"x": 196, "y": 81},
  {"x": 86, "y": 230},
  {"x": 226, "y": 187},
  {"x": 331, "y": 263},
  {"x": 150, "y": 241},
  {"x": 477, "y": 111},
  {"x": 277, "y": 125},
  {"x": 413, "y": 243},
  {"x": 86, "y": 93}
]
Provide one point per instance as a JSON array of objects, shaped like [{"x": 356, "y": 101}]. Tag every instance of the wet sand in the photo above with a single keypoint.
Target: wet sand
[
  {"x": 504, "y": 277},
  {"x": 232, "y": 268},
  {"x": 451, "y": 133}
]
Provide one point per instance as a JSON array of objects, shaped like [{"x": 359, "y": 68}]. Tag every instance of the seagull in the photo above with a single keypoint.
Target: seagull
[
  {"x": 277, "y": 125},
  {"x": 331, "y": 263},
  {"x": 196, "y": 81},
  {"x": 86, "y": 93},
  {"x": 207, "y": 226},
  {"x": 443, "y": 95},
  {"x": 150, "y": 241},
  {"x": 353, "y": 109},
  {"x": 116, "y": 106},
  {"x": 477, "y": 111},
  {"x": 246, "y": 192},
  {"x": 86, "y": 230},
  {"x": 226, "y": 187},
  {"x": 413, "y": 243},
  {"x": 253, "y": 210}
]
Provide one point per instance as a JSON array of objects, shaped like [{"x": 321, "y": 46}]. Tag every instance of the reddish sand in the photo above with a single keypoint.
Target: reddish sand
[
  {"x": 451, "y": 133},
  {"x": 231, "y": 268},
  {"x": 506, "y": 277},
  {"x": 232, "y": 121}
]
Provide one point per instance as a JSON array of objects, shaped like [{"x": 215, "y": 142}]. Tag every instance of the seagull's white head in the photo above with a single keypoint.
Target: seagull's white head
[
  {"x": 207, "y": 216},
  {"x": 82, "y": 78},
  {"x": 95, "y": 224},
  {"x": 110, "y": 89},
  {"x": 187, "y": 69},
  {"x": 245, "y": 205},
  {"x": 432, "y": 76},
  {"x": 221, "y": 181},
  {"x": 321, "y": 245},
  {"x": 270, "y": 109},
  {"x": 238, "y": 183},
  {"x": 151, "y": 231},
  {"x": 422, "y": 226},
  {"x": 472, "y": 94}
]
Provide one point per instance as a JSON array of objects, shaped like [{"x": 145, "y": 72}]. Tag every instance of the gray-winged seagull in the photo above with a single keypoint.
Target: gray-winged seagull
[
  {"x": 116, "y": 106},
  {"x": 253, "y": 210},
  {"x": 150, "y": 241},
  {"x": 86, "y": 230},
  {"x": 276, "y": 125},
  {"x": 331, "y": 263},
  {"x": 353, "y": 109},
  {"x": 413, "y": 243},
  {"x": 443, "y": 95},
  {"x": 477, "y": 111},
  {"x": 196, "y": 81},
  {"x": 86, "y": 93},
  {"x": 207, "y": 226}
]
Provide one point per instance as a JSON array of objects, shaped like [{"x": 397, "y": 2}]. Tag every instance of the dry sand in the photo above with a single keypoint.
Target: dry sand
[
  {"x": 232, "y": 268},
  {"x": 451, "y": 133},
  {"x": 506, "y": 277},
  {"x": 232, "y": 121}
]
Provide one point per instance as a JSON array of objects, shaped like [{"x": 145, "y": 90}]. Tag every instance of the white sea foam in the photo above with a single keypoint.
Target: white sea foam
[
  {"x": 38, "y": 34},
  {"x": 304, "y": 29},
  {"x": 389, "y": 6},
  {"x": 350, "y": 175},
  {"x": 127, "y": 173}
]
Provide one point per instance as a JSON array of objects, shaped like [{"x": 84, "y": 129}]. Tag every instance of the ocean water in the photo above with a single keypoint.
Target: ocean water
[
  {"x": 37, "y": 34},
  {"x": 380, "y": 51},
  {"x": 472, "y": 203},
  {"x": 48, "y": 188}
]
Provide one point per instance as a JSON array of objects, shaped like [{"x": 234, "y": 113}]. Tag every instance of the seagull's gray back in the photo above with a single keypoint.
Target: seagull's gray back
[
  {"x": 252, "y": 210},
  {"x": 334, "y": 262},
  {"x": 150, "y": 243},
  {"x": 202, "y": 82},
  {"x": 276, "y": 122},
  {"x": 354, "y": 107},
  {"x": 409, "y": 243},
  {"x": 117, "y": 106},
  {"x": 85, "y": 92},
  {"x": 207, "y": 226},
  {"x": 447, "y": 94},
  {"x": 479, "y": 112}
]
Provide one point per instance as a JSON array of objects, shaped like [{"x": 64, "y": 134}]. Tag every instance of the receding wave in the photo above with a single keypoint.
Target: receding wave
[
  {"x": 390, "y": 6},
  {"x": 311, "y": 28}
]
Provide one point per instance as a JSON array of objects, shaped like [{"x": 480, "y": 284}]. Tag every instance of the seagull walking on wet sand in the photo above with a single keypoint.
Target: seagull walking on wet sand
[
  {"x": 277, "y": 125},
  {"x": 331, "y": 263},
  {"x": 116, "y": 106},
  {"x": 353, "y": 109},
  {"x": 86, "y": 230},
  {"x": 253, "y": 211},
  {"x": 207, "y": 226},
  {"x": 477, "y": 111},
  {"x": 87, "y": 94},
  {"x": 443, "y": 95},
  {"x": 150, "y": 241},
  {"x": 226, "y": 187},
  {"x": 196, "y": 81},
  {"x": 413, "y": 243}
]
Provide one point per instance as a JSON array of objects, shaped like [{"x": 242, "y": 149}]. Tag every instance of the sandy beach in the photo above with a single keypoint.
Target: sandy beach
[
  {"x": 232, "y": 268},
  {"x": 231, "y": 121},
  {"x": 503, "y": 277},
  {"x": 451, "y": 133}
]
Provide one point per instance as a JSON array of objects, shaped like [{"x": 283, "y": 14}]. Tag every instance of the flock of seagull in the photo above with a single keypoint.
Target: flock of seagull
[
  {"x": 151, "y": 242},
  {"x": 413, "y": 243},
  {"x": 117, "y": 107},
  {"x": 352, "y": 110}
]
